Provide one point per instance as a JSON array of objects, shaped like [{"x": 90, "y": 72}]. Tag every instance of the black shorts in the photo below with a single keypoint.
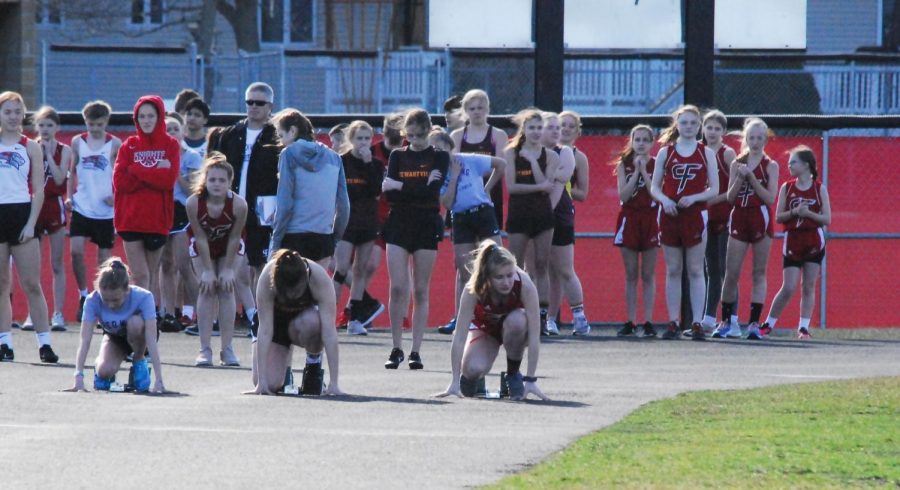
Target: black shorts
[
  {"x": 101, "y": 232},
  {"x": 13, "y": 218},
  {"x": 474, "y": 225},
  {"x": 529, "y": 221},
  {"x": 313, "y": 246},
  {"x": 119, "y": 341},
  {"x": 359, "y": 236},
  {"x": 280, "y": 325},
  {"x": 180, "y": 221},
  {"x": 151, "y": 241},
  {"x": 563, "y": 235},
  {"x": 414, "y": 229},
  {"x": 813, "y": 259},
  {"x": 257, "y": 245}
]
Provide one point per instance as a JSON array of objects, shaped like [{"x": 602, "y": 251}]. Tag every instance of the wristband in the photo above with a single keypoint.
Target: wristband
[
  {"x": 79, "y": 374},
  {"x": 529, "y": 379}
]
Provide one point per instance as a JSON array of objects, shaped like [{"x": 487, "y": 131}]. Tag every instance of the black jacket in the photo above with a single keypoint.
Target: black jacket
[{"x": 262, "y": 177}]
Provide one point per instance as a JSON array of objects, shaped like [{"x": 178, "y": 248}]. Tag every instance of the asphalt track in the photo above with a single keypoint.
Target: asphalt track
[{"x": 389, "y": 433}]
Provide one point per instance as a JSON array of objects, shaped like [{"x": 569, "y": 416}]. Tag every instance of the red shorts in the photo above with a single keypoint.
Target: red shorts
[
  {"x": 800, "y": 245},
  {"x": 52, "y": 216},
  {"x": 217, "y": 249},
  {"x": 685, "y": 230},
  {"x": 718, "y": 218},
  {"x": 636, "y": 231},
  {"x": 750, "y": 225}
]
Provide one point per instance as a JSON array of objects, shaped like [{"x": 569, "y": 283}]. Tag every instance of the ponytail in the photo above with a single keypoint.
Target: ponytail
[{"x": 486, "y": 259}]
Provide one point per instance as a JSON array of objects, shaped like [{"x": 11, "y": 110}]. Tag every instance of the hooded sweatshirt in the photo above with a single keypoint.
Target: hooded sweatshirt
[
  {"x": 312, "y": 192},
  {"x": 144, "y": 200}
]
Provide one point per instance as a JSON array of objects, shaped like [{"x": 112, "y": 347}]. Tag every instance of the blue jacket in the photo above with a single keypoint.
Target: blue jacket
[{"x": 312, "y": 193}]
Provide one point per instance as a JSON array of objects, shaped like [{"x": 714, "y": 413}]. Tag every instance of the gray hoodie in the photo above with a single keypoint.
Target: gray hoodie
[{"x": 312, "y": 192}]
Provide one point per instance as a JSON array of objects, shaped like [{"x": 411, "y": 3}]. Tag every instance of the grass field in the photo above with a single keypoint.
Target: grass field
[{"x": 822, "y": 435}]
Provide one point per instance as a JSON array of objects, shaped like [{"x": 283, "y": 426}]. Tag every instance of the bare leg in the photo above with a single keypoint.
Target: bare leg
[
  {"x": 630, "y": 260},
  {"x": 674, "y": 266},
  {"x": 28, "y": 261},
  {"x": 76, "y": 248},
  {"x": 760, "y": 260},
  {"x": 695, "y": 256},
  {"x": 479, "y": 355},
  {"x": 57, "y": 247},
  {"x": 361, "y": 269},
  {"x": 648, "y": 282},
  {"x": 808, "y": 300},
  {"x": 398, "y": 272},
  {"x": 790, "y": 278},
  {"x": 423, "y": 265}
]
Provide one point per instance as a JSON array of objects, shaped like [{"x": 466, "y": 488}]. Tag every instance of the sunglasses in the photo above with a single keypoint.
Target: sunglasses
[{"x": 257, "y": 103}]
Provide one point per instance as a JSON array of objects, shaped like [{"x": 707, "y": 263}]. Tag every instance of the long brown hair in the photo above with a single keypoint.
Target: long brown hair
[
  {"x": 214, "y": 159},
  {"x": 670, "y": 134},
  {"x": 486, "y": 259},
  {"x": 289, "y": 270},
  {"x": 626, "y": 156},
  {"x": 292, "y": 118},
  {"x": 520, "y": 119},
  {"x": 808, "y": 157}
]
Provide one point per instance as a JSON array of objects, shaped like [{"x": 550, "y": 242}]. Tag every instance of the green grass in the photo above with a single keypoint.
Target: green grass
[{"x": 823, "y": 435}]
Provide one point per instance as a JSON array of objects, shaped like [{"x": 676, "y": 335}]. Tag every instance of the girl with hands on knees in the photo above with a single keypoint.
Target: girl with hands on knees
[
  {"x": 500, "y": 305},
  {"x": 128, "y": 318}
]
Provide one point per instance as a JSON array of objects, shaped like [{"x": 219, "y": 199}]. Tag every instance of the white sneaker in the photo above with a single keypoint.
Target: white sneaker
[
  {"x": 355, "y": 327},
  {"x": 28, "y": 325},
  {"x": 204, "y": 358},
  {"x": 58, "y": 323},
  {"x": 228, "y": 358},
  {"x": 708, "y": 327},
  {"x": 552, "y": 327},
  {"x": 581, "y": 326}
]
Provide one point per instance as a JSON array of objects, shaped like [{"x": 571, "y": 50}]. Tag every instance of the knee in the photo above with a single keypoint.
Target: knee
[
  {"x": 759, "y": 273},
  {"x": 541, "y": 265},
  {"x": 105, "y": 369},
  {"x": 400, "y": 290},
  {"x": 77, "y": 253},
  {"x": 673, "y": 273},
  {"x": 475, "y": 368},
  {"x": 421, "y": 295},
  {"x": 31, "y": 285},
  {"x": 809, "y": 289},
  {"x": 648, "y": 275},
  {"x": 515, "y": 327},
  {"x": 134, "y": 328},
  {"x": 631, "y": 274}
]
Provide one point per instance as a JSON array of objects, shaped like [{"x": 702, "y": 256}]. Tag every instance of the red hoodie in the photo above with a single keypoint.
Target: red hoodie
[{"x": 143, "y": 192}]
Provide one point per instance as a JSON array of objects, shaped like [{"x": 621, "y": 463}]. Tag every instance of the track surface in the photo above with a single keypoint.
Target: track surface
[{"x": 389, "y": 433}]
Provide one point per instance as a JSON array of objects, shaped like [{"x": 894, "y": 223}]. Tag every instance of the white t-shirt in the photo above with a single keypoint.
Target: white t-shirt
[{"x": 252, "y": 135}]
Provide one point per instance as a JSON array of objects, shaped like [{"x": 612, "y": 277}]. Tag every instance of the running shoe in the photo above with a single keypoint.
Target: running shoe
[
  {"x": 725, "y": 330},
  {"x": 343, "y": 318},
  {"x": 356, "y": 328},
  {"x": 708, "y": 327},
  {"x": 394, "y": 359},
  {"x": 28, "y": 326},
  {"x": 6, "y": 353},
  {"x": 185, "y": 321},
  {"x": 80, "y": 312},
  {"x": 552, "y": 327},
  {"x": 671, "y": 332},
  {"x": 58, "y": 323},
  {"x": 515, "y": 386},
  {"x": 697, "y": 332},
  {"x": 765, "y": 330},
  {"x": 470, "y": 388},
  {"x": 545, "y": 331},
  {"x": 140, "y": 376},
  {"x": 204, "y": 358},
  {"x": 15, "y": 324},
  {"x": 228, "y": 358},
  {"x": 803, "y": 334},
  {"x": 313, "y": 381},
  {"x": 194, "y": 330},
  {"x": 581, "y": 327},
  {"x": 415, "y": 361},
  {"x": 169, "y": 324},
  {"x": 253, "y": 327},
  {"x": 103, "y": 384},
  {"x": 627, "y": 330},
  {"x": 370, "y": 311},
  {"x": 649, "y": 331},
  {"x": 47, "y": 355},
  {"x": 449, "y": 328},
  {"x": 753, "y": 332}
]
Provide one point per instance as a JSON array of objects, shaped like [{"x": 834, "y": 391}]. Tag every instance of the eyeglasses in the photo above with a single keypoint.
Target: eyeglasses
[
  {"x": 416, "y": 135},
  {"x": 257, "y": 103}
]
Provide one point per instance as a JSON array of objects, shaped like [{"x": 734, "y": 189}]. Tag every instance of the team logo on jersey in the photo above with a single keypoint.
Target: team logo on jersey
[
  {"x": 216, "y": 232},
  {"x": 94, "y": 162},
  {"x": 12, "y": 159},
  {"x": 796, "y": 202},
  {"x": 149, "y": 158},
  {"x": 684, "y": 173},
  {"x": 745, "y": 193}
]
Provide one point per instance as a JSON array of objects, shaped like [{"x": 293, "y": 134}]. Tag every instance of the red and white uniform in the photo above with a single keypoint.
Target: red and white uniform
[
  {"x": 636, "y": 225},
  {"x": 489, "y": 317},
  {"x": 216, "y": 229},
  {"x": 684, "y": 175},
  {"x": 803, "y": 238},
  {"x": 15, "y": 173},
  {"x": 719, "y": 213},
  {"x": 53, "y": 213},
  {"x": 751, "y": 218}
]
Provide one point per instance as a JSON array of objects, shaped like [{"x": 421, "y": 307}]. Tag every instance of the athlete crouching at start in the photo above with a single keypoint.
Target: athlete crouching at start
[
  {"x": 128, "y": 317},
  {"x": 501, "y": 303},
  {"x": 295, "y": 298}
]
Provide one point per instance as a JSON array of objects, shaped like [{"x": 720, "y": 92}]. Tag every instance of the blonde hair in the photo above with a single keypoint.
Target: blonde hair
[
  {"x": 356, "y": 126},
  {"x": 670, "y": 134},
  {"x": 487, "y": 258},
  {"x": 475, "y": 94},
  {"x": 750, "y": 123},
  {"x": 213, "y": 160},
  {"x": 574, "y": 115},
  {"x": 441, "y": 136},
  {"x": 16, "y": 96},
  {"x": 112, "y": 274}
]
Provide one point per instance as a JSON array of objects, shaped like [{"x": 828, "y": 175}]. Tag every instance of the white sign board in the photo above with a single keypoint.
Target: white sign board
[
  {"x": 479, "y": 23},
  {"x": 623, "y": 24},
  {"x": 760, "y": 24}
]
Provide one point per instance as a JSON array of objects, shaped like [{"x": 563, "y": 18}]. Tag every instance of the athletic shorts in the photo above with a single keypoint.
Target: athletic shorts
[
  {"x": 684, "y": 230},
  {"x": 359, "y": 236},
  {"x": 718, "y": 218},
  {"x": 100, "y": 231},
  {"x": 280, "y": 325},
  {"x": 13, "y": 218},
  {"x": 151, "y": 241},
  {"x": 492, "y": 328},
  {"x": 804, "y": 245},
  {"x": 812, "y": 259},
  {"x": 474, "y": 225},
  {"x": 529, "y": 220},
  {"x": 121, "y": 341},
  {"x": 750, "y": 225},
  {"x": 52, "y": 216},
  {"x": 414, "y": 229},
  {"x": 180, "y": 221},
  {"x": 636, "y": 231},
  {"x": 257, "y": 242},
  {"x": 563, "y": 235},
  {"x": 216, "y": 250},
  {"x": 313, "y": 246}
]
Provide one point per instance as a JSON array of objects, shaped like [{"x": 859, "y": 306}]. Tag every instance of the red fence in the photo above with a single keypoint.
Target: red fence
[{"x": 861, "y": 284}]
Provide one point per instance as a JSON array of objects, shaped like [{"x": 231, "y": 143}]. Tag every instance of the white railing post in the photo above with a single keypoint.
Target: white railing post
[{"x": 823, "y": 282}]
